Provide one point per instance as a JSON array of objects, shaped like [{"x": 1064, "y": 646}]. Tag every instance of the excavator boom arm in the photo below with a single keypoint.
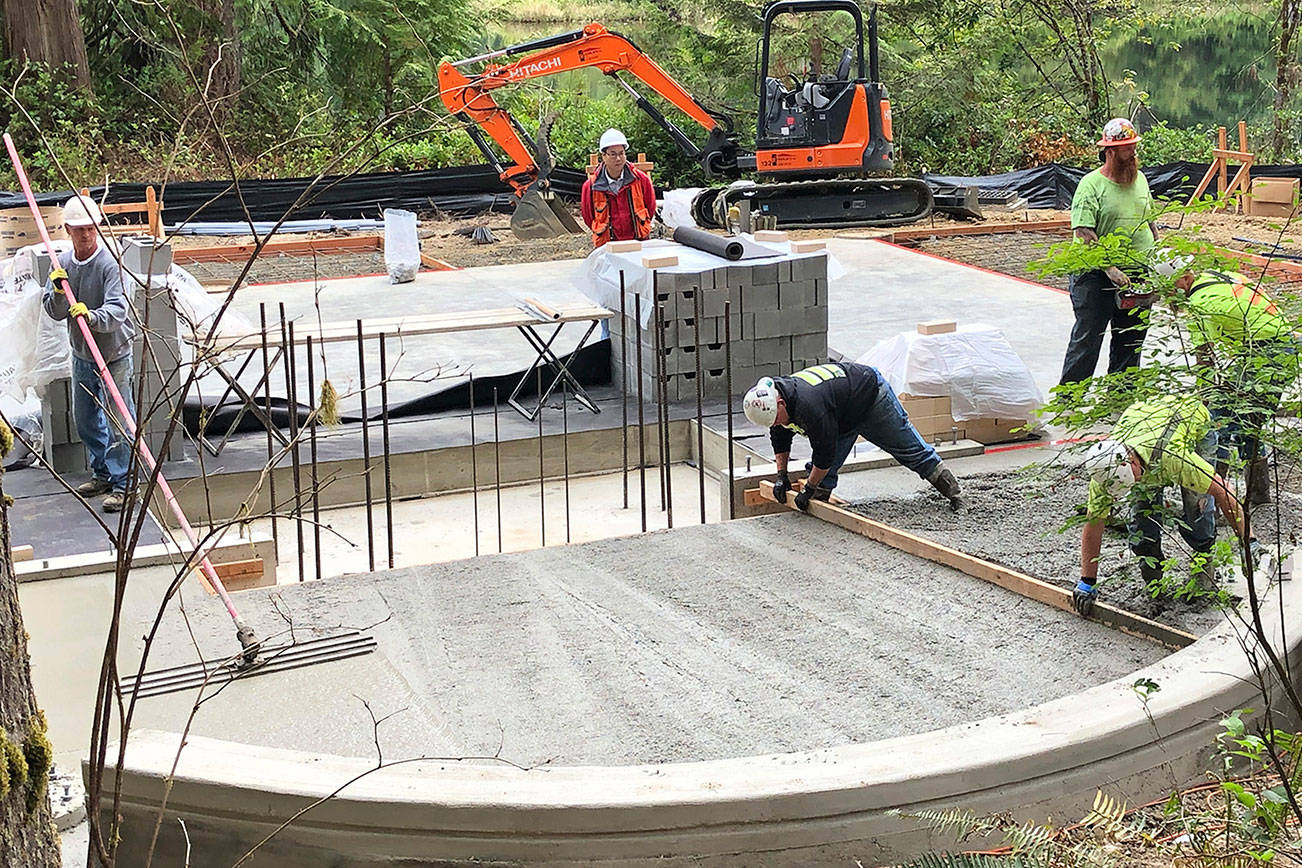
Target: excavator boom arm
[{"x": 471, "y": 100}]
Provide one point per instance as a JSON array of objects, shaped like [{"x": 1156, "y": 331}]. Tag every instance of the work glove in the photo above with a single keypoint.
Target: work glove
[
  {"x": 78, "y": 309},
  {"x": 1255, "y": 552},
  {"x": 803, "y": 497},
  {"x": 57, "y": 275},
  {"x": 780, "y": 488},
  {"x": 1082, "y": 599}
]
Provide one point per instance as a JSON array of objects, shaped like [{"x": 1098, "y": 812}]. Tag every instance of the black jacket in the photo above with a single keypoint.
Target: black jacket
[{"x": 824, "y": 402}]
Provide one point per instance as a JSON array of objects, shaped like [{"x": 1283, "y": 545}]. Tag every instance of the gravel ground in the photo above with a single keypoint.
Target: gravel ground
[{"x": 1016, "y": 519}]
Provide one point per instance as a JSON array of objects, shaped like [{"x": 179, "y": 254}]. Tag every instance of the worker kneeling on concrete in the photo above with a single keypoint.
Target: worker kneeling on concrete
[
  {"x": 1157, "y": 442},
  {"x": 833, "y": 405}
]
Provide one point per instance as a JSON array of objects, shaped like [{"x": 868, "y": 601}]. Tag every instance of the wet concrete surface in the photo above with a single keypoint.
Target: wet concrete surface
[
  {"x": 765, "y": 635},
  {"x": 1029, "y": 520}
]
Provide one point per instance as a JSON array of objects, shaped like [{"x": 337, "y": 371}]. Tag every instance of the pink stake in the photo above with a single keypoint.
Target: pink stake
[{"x": 247, "y": 639}]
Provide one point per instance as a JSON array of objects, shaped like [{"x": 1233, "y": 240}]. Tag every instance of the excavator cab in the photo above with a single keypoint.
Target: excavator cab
[{"x": 830, "y": 119}]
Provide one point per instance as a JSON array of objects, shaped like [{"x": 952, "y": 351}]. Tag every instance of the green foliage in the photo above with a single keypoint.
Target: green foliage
[
  {"x": 1161, "y": 143},
  {"x": 967, "y": 860},
  {"x": 15, "y": 761}
]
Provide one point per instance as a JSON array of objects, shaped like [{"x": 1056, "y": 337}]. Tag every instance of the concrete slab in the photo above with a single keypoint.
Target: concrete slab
[{"x": 765, "y": 635}]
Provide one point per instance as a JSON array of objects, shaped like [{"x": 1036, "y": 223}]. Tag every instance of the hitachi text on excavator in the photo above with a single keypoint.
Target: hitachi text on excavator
[{"x": 822, "y": 144}]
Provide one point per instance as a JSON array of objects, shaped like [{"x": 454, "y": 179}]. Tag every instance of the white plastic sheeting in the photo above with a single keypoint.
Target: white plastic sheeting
[
  {"x": 34, "y": 349},
  {"x": 974, "y": 366},
  {"x": 598, "y": 276}
]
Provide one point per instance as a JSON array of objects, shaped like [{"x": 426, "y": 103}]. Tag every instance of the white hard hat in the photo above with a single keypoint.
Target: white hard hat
[
  {"x": 1167, "y": 263},
  {"x": 761, "y": 403},
  {"x": 610, "y": 138},
  {"x": 81, "y": 211},
  {"x": 1109, "y": 465}
]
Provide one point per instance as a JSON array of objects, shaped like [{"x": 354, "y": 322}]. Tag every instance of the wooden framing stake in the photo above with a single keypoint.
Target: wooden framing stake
[
  {"x": 1219, "y": 169},
  {"x": 1019, "y": 583}
]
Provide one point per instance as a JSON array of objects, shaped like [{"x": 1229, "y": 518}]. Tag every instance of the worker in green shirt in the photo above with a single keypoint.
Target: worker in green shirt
[
  {"x": 1111, "y": 200},
  {"x": 1156, "y": 442},
  {"x": 1237, "y": 331}
]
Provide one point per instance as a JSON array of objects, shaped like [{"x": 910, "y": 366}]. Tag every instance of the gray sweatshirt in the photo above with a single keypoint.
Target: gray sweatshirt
[{"x": 97, "y": 283}]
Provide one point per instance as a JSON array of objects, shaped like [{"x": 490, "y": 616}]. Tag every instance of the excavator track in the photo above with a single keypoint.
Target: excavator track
[{"x": 831, "y": 204}]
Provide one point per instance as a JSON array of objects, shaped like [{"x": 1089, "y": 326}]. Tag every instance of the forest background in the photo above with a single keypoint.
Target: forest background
[{"x": 976, "y": 86}]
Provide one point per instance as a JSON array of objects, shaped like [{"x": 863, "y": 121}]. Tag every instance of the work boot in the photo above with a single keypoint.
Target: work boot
[
  {"x": 114, "y": 502},
  {"x": 1259, "y": 481},
  {"x": 94, "y": 487},
  {"x": 1150, "y": 564},
  {"x": 1202, "y": 572},
  {"x": 945, "y": 482}
]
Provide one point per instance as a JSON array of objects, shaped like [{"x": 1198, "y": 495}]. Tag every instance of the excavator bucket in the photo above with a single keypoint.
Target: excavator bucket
[{"x": 541, "y": 214}]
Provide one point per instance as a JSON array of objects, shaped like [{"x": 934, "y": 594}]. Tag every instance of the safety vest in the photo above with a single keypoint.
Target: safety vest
[{"x": 601, "y": 228}]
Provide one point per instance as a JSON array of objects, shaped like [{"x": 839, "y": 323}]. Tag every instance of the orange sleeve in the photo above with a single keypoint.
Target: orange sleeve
[{"x": 585, "y": 203}]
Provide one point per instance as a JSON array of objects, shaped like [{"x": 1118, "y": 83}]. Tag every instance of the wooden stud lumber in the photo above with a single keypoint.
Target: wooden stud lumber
[
  {"x": 770, "y": 235},
  {"x": 21, "y": 553},
  {"x": 937, "y": 327},
  {"x": 810, "y": 246},
  {"x": 624, "y": 246},
  {"x": 434, "y": 264},
  {"x": 222, "y": 253},
  {"x": 1019, "y": 583},
  {"x": 659, "y": 261},
  {"x": 900, "y": 236}
]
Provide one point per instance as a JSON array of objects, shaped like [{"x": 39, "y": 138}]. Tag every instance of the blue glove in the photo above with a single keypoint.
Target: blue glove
[{"x": 1082, "y": 599}]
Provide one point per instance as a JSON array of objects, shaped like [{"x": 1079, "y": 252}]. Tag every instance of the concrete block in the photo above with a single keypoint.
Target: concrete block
[
  {"x": 820, "y": 291},
  {"x": 765, "y": 272},
  {"x": 742, "y": 354},
  {"x": 796, "y": 294},
  {"x": 814, "y": 320},
  {"x": 740, "y": 275},
  {"x": 774, "y": 323},
  {"x": 713, "y": 301},
  {"x": 759, "y": 297},
  {"x": 809, "y": 346},
  {"x": 144, "y": 254},
  {"x": 784, "y": 271},
  {"x": 809, "y": 268},
  {"x": 769, "y": 351}
]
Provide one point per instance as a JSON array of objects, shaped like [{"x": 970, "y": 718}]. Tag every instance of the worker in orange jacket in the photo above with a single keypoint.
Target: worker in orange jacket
[{"x": 618, "y": 201}]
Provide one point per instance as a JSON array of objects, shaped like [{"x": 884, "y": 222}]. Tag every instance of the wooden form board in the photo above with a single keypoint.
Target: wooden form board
[
  {"x": 1019, "y": 583},
  {"x": 410, "y": 326},
  {"x": 226, "y": 252},
  {"x": 900, "y": 236}
]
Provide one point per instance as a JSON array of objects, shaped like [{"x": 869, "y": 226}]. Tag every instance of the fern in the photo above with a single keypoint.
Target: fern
[
  {"x": 966, "y": 860},
  {"x": 960, "y": 824},
  {"x": 1033, "y": 840},
  {"x": 1107, "y": 817}
]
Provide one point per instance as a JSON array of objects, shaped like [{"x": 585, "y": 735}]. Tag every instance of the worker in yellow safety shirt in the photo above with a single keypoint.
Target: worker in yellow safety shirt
[
  {"x": 1248, "y": 353},
  {"x": 1156, "y": 442}
]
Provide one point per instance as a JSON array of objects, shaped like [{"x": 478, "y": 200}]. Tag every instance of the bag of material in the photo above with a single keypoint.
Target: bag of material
[
  {"x": 401, "y": 245},
  {"x": 974, "y": 366}
]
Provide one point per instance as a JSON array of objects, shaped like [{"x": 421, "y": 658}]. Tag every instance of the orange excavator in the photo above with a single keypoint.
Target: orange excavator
[{"x": 819, "y": 141}]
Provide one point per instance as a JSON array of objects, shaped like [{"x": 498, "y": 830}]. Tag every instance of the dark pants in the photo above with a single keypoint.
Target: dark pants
[
  {"x": 1259, "y": 382},
  {"x": 1197, "y": 523},
  {"x": 886, "y": 425},
  {"x": 1094, "y": 301}
]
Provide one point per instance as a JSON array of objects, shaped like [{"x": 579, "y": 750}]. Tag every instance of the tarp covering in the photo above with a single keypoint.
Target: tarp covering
[
  {"x": 1052, "y": 185},
  {"x": 456, "y": 190},
  {"x": 473, "y": 189}
]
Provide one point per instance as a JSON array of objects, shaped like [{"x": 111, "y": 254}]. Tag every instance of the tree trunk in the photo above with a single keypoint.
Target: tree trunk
[
  {"x": 26, "y": 829},
  {"x": 47, "y": 31},
  {"x": 222, "y": 66},
  {"x": 1289, "y": 13}
]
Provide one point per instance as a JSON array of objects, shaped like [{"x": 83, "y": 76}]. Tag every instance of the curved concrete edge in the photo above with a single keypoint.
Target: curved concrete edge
[{"x": 802, "y": 808}]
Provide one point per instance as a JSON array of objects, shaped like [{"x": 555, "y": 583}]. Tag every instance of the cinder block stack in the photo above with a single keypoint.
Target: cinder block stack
[{"x": 779, "y": 325}]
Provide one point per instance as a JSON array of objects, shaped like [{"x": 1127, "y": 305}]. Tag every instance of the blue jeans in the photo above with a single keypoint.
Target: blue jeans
[
  {"x": 1094, "y": 301},
  {"x": 886, "y": 425},
  {"x": 108, "y": 448},
  {"x": 1198, "y": 519}
]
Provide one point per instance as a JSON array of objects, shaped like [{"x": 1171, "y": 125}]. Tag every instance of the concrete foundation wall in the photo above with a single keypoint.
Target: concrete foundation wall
[{"x": 819, "y": 807}]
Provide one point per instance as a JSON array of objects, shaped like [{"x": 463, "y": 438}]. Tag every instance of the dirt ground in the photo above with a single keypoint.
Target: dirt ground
[{"x": 1044, "y": 542}]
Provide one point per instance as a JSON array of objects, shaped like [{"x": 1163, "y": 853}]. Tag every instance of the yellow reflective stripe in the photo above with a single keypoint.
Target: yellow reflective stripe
[
  {"x": 820, "y": 374},
  {"x": 809, "y": 377}
]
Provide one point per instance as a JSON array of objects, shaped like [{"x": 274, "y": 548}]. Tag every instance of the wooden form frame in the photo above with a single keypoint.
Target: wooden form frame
[
  {"x": 904, "y": 236},
  {"x": 1019, "y": 583},
  {"x": 152, "y": 208},
  {"x": 298, "y": 247},
  {"x": 1220, "y": 170}
]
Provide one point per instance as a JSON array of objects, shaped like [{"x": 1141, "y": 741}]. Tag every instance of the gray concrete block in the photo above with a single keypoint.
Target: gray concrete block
[
  {"x": 769, "y": 351},
  {"x": 820, "y": 291},
  {"x": 713, "y": 301},
  {"x": 809, "y": 346},
  {"x": 145, "y": 254},
  {"x": 796, "y": 295},
  {"x": 814, "y": 320},
  {"x": 775, "y": 323},
  {"x": 765, "y": 272},
  {"x": 784, "y": 271},
  {"x": 809, "y": 268},
  {"x": 740, "y": 275},
  {"x": 759, "y": 297}
]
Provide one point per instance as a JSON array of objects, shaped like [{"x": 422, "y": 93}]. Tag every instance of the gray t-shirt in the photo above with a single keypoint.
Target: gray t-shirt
[{"x": 97, "y": 283}]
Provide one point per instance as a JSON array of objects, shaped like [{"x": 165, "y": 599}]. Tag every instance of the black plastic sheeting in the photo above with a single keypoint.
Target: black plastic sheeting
[
  {"x": 591, "y": 367},
  {"x": 1052, "y": 185},
  {"x": 457, "y": 190}
]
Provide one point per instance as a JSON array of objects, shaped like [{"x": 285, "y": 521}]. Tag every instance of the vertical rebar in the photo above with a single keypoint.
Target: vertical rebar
[
  {"x": 311, "y": 439},
  {"x": 542, "y": 507},
  {"x": 665, "y": 423},
  {"x": 727, "y": 386},
  {"x": 474, "y": 465},
  {"x": 657, "y": 362},
  {"x": 298, "y": 457},
  {"x": 271, "y": 443},
  {"x": 366, "y": 447},
  {"x": 700, "y": 403},
  {"x": 641, "y": 414},
  {"x": 565, "y": 452},
  {"x": 623, "y": 381},
  {"x": 384, "y": 427},
  {"x": 497, "y": 469}
]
